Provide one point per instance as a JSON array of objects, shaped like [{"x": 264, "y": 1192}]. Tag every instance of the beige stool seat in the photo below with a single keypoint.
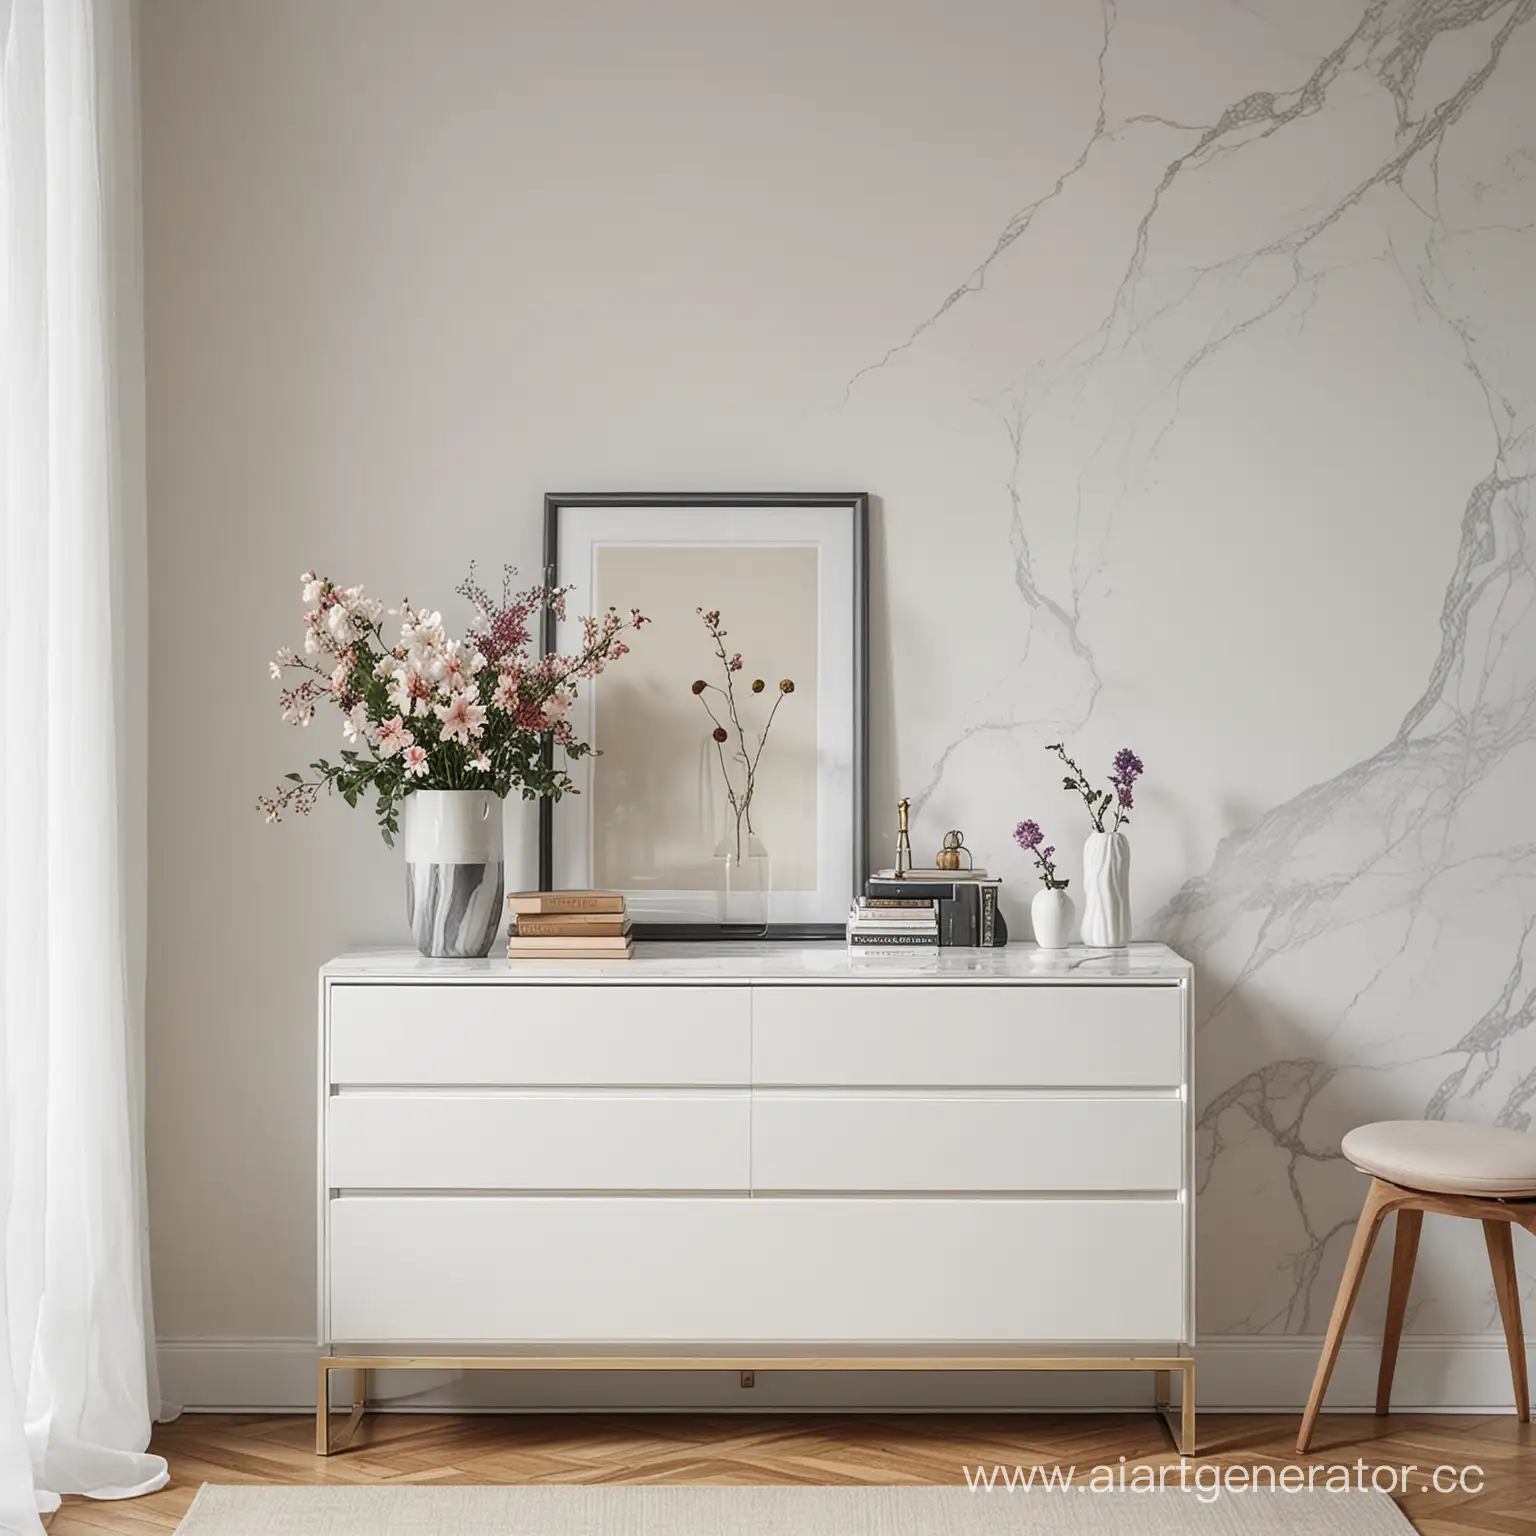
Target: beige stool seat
[{"x": 1446, "y": 1157}]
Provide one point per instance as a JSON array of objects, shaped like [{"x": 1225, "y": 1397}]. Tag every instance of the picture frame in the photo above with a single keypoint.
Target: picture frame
[{"x": 792, "y": 570}]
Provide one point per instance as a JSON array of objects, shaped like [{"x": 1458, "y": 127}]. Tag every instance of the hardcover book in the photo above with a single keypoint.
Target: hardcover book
[
  {"x": 572, "y": 925},
  {"x": 536, "y": 903},
  {"x": 968, "y": 910}
]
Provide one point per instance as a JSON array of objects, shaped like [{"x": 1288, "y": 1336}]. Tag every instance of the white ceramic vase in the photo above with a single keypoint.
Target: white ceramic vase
[
  {"x": 453, "y": 870},
  {"x": 1051, "y": 914},
  {"x": 1107, "y": 890}
]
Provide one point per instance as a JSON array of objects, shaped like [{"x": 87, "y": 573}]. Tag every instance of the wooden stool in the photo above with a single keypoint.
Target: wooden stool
[{"x": 1481, "y": 1171}]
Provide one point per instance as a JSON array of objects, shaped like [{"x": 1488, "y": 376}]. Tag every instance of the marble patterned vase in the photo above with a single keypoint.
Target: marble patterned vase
[
  {"x": 453, "y": 871},
  {"x": 1050, "y": 915},
  {"x": 1107, "y": 890}
]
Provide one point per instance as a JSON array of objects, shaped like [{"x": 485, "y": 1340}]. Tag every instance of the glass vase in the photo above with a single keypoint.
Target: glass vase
[{"x": 743, "y": 880}]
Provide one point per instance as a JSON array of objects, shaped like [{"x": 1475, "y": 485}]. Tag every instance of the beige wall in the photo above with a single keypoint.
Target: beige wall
[{"x": 1208, "y": 493}]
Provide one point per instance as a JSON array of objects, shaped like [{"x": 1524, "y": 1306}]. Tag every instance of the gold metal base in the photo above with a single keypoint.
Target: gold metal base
[{"x": 1180, "y": 1418}]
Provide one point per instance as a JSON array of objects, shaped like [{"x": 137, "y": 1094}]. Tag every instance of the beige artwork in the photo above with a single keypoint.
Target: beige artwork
[{"x": 659, "y": 805}]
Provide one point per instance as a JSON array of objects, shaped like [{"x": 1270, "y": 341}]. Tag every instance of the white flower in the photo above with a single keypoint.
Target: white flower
[
  {"x": 339, "y": 622},
  {"x": 298, "y": 712},
  {"x": 313, "y": 641},
  {"x": 312, "y": 586},
  {"x": 285, "y": 657},
  {"x": 462, "y": 718},
  {"x": 276, "y": 671},
  {"x": 456, "y": 667},
  {"x": 394, "y": 737},
  {"x": 355, "y": 726},
  {"x": 339, "y": 674},
  {"x": 481, "y": 764},
  {"x": 422, "y": 630},
  {"x": 415, "y": 763},
  {"x": 556, "y": 705},
  {"x": 360, "y": 605}
]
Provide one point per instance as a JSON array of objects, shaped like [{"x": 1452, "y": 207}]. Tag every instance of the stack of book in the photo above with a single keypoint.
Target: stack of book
[
  {"x": 967, "y": 902},
  {"x": 568, "y": 925},
  {"x": 893, "y": 925}
]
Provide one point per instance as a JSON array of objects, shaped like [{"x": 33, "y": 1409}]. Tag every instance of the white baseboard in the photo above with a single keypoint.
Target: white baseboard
[{"x": 1447, "y": 1374}]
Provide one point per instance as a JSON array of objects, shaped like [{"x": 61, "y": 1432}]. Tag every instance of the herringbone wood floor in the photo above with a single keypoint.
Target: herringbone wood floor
[{"x": 799, "y": 1449}]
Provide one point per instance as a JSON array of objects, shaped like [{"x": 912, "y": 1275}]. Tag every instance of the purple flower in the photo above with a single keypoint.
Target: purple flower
[
  {"x": 1046, "y": 853},
  {"x": 1128, "y": 767},
  {"x": 1028, "y": 834},
  {"x": 1123, "y": 795}
]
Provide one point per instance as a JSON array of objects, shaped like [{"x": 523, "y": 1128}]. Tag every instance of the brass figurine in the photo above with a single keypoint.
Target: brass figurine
[
  {"x": 948, "y": 857},
  {"x": 903, "y": 839}
]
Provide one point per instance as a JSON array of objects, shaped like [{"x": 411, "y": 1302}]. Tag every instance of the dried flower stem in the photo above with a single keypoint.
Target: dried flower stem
[{"x": 740, "y": 800}]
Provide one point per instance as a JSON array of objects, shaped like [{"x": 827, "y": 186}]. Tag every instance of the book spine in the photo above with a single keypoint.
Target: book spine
[
  {"x": 910, "y": 890},
  {"x": 988, "y": 915},
  {"x": 565, "y": 927},
  {"x": 893, "y": 903},
  {"x": 575, "y": 901},
  {"x": 895, "y": 940}
]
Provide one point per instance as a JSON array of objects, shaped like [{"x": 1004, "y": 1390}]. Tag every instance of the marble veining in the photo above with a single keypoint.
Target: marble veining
[
  {"x": 1364, "y": 946},
  {"x": 455, "y": 910}
]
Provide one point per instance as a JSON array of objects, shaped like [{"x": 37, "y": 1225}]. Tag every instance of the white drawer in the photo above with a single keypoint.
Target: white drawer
[
  {"x": 628, "y": 1140},
  {"x": 533, "y": 1035},
  {"x": 438, "y": 1270},
  {"x": 1027, "y": 1036},
  {"x": 912, "y": 1142}
]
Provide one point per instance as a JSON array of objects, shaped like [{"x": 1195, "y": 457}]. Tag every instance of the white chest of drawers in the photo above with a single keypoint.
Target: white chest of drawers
[{"x": 742, "y": 1155}]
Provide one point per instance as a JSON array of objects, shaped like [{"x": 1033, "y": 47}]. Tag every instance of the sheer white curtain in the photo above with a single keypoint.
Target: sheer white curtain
[{"x": 77, "y": 1377}]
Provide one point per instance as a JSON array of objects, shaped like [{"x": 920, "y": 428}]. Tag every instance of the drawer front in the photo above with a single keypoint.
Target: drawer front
[
  {"x": 1026, "y": 1036},
  {"x": 912, "y": 1142},
  {"x": 431, "y": 1270},
  {"x": 533, "y": 1035},
  {"x": 697, "y": 1140}
]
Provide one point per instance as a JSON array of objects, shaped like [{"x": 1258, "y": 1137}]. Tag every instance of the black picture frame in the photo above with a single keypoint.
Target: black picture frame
[{"x": 853, "y": 503}]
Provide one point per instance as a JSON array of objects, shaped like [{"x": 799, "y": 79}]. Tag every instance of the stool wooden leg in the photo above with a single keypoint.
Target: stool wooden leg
[
  {"x": 1501, "y": 1255},
  {"x": 1371, "y": 1217},
  {"x": 1405, "y": 1249}
]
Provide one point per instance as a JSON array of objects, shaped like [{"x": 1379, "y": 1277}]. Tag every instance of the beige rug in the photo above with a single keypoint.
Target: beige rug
[{"x": 693, "y": 1511}]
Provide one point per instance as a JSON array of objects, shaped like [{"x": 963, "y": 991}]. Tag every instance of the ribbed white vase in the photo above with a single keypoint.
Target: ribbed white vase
[
  {"x": 453, "y": 870},
  {"x": 1107, "y": 890},
  {"x": 1050, "y": 915}
]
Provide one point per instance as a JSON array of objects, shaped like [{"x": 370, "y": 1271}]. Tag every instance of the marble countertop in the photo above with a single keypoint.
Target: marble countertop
[{"x": 762, "y": 962}]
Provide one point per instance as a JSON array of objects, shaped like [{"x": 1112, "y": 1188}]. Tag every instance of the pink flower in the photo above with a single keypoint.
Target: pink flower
[
  {"x": 505, "y": 697},
  {"x": 394, "y": 737},
  {"x": 415, "y": 763},
  {"x": 458, "y": 667},
  {"x": 556, "y": 705},
  {"x": 462, "y": 718}
]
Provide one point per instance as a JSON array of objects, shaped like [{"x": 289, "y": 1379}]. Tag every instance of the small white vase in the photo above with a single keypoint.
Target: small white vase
[
  {"x": 1106, "y": 890},
  {"x": 1051, "y": 914},
  {"x": 453, "y": 870}
]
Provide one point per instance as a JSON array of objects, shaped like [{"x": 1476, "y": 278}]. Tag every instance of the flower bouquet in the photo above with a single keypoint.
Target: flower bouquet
[{"x": 440, "y": 727}]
